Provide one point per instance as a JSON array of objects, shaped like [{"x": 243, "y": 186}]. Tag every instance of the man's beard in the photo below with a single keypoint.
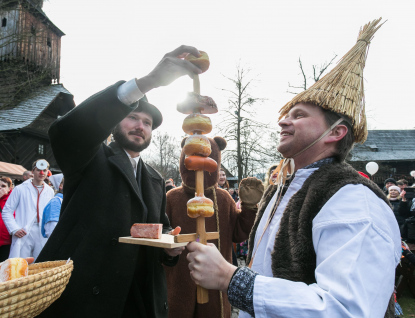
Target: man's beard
[{"x": 123, "y": 141}]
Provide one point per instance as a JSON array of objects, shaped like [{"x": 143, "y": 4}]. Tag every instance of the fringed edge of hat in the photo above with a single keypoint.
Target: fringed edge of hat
[{"x": 342, "y": 90}]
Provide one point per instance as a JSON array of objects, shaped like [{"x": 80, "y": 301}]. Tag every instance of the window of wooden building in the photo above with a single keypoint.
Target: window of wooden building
[{"x": 41, "y": 149}]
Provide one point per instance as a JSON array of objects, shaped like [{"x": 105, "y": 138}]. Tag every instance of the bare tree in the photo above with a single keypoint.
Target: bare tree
[
  {"x": 246, "y": 153},
  {"x": 164, "y": 156},
  {"x": 318, "y": 71}
]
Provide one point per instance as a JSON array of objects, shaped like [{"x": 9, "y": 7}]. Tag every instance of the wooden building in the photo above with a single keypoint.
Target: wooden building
[
  {"x": 392, "y": 150},
  {"x": 26, "y": 33},
  {"x": 31, "y": 97},
  {"x": 23, "y": 129}
]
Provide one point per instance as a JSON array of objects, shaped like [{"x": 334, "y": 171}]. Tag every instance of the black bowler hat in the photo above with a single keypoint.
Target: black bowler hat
[{"x": 144, "y": 106}]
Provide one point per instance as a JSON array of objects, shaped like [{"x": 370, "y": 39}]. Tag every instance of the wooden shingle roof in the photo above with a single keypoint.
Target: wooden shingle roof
[
  {"x": 30, "y": 108},
  {"x": 386, "y": 145}
]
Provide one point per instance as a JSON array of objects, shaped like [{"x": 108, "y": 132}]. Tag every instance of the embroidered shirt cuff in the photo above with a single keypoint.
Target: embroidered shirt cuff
[
  {"x": 241, "y": 290},
  {"x": 128, "y": 93}
]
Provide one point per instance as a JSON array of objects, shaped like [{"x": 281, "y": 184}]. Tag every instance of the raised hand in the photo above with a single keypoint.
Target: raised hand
[
  {"x": 250, "y": 191},
  {"x": 171, "y": 67}
]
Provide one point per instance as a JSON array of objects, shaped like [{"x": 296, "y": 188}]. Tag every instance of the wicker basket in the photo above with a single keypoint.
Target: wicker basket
[{"x": 29, "y": 296}]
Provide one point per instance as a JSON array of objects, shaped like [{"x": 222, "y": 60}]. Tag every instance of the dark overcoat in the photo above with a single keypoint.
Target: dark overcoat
[{"x": 101, "y": 202}]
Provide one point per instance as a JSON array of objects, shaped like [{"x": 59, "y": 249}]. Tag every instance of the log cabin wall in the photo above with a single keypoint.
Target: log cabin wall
[
  {"x": 30, "y": 38},
  {"x": 23, "y": 149}
]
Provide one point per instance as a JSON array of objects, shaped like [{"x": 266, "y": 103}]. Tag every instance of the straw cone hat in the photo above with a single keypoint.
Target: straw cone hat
[{"x": 341, "y": 90}]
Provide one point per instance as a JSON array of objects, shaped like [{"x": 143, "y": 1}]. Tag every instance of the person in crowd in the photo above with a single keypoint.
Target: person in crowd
[
  {"x": 52, "y": 212},
  {"x": 108, "y": 188},
  {"x": 271, "y": 175},
  {"x": 172, "y": 182},
  {"x": 400, "y": 205},
  {"x": 47, "y": 180},
  {"x": 233, "y": 226},
  {"x": 325, "y": 242},
  {"x": 28, "y": 201},
  {"x": 25, "y": 176},
  {"x": 402, "y": 184},
  {"x": 389, "y": 182},
  {"x": 56, "y": 180},
  {"x": 169, "y": 185},
  {"x": 5, "y": 238},
  {"x": 406, "y": 253},
  {"x": 233, "y": 194},
  {"x": 222, "y": 182}
]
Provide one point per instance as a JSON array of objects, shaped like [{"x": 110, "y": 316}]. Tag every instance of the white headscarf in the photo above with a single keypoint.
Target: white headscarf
[{"x": 56, "y": 180}]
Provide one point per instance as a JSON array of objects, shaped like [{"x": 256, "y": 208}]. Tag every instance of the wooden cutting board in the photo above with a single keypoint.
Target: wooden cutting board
[{"x": 166, "y": 241}]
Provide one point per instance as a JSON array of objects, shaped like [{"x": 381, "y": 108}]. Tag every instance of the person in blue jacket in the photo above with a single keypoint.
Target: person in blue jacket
[{"x": 52, "y": 212}]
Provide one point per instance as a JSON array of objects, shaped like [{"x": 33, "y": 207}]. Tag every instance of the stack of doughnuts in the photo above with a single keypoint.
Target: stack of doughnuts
[
  {"x": 197, "y": 146},
  {"x": 197, "y": 150}
]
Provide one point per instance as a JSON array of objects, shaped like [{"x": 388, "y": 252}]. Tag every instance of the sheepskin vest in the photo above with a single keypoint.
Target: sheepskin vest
[{"x": 294, "y": 257}]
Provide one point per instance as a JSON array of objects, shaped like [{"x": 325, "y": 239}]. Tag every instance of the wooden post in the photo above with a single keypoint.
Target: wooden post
[
  {"x": 202, "y": 293},
  {"x": 200, "y": 235}
]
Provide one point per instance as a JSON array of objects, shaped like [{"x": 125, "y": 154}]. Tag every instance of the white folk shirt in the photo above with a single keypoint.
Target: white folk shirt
[
  {"x": 23, "y": 200},
  {"x": 357, "y": 243}
]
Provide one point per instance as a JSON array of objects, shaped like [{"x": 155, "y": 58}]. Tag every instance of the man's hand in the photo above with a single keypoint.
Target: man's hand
[
  {"x": 170, "y": 68},
  {"x": 20, "y": 233},
  {"x": 173, "y": 252},
  {"x": 403, "y": 192},
  {"x": 207, "y": 266},
  {"x": 250, "y": 191}
]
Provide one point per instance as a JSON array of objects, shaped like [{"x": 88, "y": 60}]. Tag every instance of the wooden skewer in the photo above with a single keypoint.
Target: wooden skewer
[
  {"x": 202, "y": 293},
  {"x": 196, "y": 84}
]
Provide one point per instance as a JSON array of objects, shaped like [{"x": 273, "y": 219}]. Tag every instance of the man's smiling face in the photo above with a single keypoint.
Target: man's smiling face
[
  {"x": 304, "y": 124},
  {"x": 134, "y": 131}
]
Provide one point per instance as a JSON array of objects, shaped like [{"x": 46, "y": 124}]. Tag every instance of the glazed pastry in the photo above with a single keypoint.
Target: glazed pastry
[
  {"x": 13, "y": 268},
  {"x": 197, "y": 145},
  {"x": 200, "y": 206},
  {"x": 201, "y": 62},
  {"x": 197, "y": 123}
]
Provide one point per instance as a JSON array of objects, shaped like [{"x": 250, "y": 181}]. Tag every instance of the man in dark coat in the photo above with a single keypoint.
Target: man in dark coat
[{"x": 105, "y": 194}]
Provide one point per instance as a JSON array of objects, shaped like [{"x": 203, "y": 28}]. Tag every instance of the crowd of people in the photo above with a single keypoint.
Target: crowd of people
[
  {"x": 322, "y": 240},
  {"x": 29, "y": 211}
]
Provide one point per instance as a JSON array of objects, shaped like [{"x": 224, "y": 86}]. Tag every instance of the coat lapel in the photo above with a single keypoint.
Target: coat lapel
[
  {"x": 151, "y": 196},
  {"x": 122, "y": 163}
]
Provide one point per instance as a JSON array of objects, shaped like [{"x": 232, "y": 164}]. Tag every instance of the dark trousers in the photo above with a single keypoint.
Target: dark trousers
[{"x": 4, "y": 252}]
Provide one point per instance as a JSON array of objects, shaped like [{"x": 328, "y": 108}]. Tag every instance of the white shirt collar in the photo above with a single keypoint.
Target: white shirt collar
[{"x": 136, "y": 159}]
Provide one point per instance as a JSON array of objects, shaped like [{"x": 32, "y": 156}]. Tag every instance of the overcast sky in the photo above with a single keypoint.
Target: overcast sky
[{"x": 111, "y": 40}]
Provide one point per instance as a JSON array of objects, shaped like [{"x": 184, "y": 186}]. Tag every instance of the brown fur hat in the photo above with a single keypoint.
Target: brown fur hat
[{"x": 210, "y": 178}]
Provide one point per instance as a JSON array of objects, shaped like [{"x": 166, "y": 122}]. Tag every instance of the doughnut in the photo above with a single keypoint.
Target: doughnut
[
  {"x": 201, "y": 62},
  {"x": 195, "y": 103},
  {"x": 200, "y": 206},
  {"x": 13, "y": 268},
  {"x": 197, "y": 123},
  {"x": 200, "y": 163},
  {"x": 197, "y": 145}
]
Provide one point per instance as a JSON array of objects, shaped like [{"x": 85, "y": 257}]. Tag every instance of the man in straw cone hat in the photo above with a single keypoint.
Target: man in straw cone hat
[{"x": 325, "y": 242}]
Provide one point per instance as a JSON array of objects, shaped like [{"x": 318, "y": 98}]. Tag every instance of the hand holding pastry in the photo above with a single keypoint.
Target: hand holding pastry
[{"x": 171, "y": 67}]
